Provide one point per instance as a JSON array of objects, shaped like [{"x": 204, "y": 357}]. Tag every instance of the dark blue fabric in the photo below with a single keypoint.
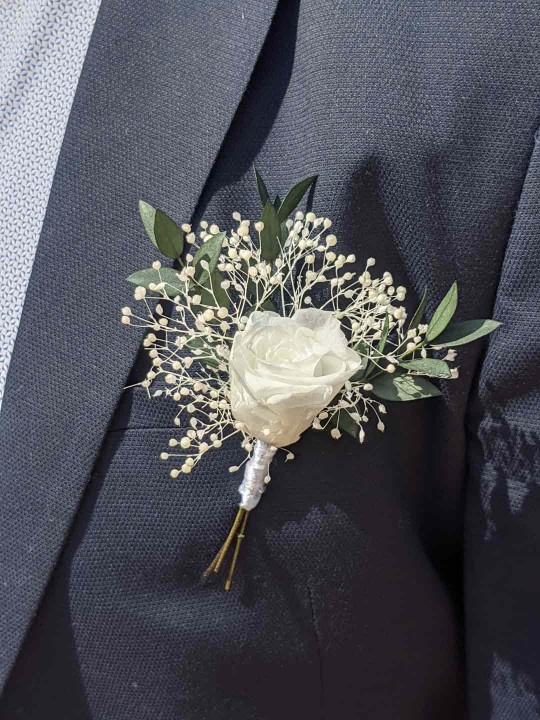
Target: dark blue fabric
[{"x": 393, "y": 580}]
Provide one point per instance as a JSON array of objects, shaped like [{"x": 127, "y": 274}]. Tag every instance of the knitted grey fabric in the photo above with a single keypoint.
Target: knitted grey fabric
[
  {"x": 350, "y": 599},
  {"x": 40, "y": 63}
]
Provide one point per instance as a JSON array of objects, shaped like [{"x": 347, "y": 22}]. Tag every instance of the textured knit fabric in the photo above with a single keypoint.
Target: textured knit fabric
[
  {"x": 351, "y": 599},
  {"x": 43, "y": 47}
]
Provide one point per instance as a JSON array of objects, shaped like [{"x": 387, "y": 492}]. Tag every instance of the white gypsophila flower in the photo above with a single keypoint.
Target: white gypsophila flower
[
  {"x": 268, "y": 330},
  {"x": 286, "y": 370},
  {"x": 190, "y": 347}
]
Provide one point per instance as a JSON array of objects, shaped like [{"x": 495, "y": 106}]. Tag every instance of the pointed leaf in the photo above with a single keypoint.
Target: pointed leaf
[
  {"x": 169, "y": 237},
  {"x": 277, "y": 202},
  {"x": 148, "y": 214},
  {"x": 261, "y": 187},
  {"x": 270, "y": 234},
  {"x": 399, "y": 387},
  {"x": 173, "y": 285},
  {"x": 198, "y": 343},
  {"x": 419, "y": 313},
  {"x": 371, "y": 366},
  {"x": 210, "y": 251},
  {"x": 384, "y": 334},
  {"x": 427, "y": 366},
  {"x": 347, "y": 424},
  {"x": 162, "y": 231},
  {"x": 461, "y": 333},
  {"x": 211, "y": 292},
  {"x": 443, "y": 314},
  {"x": 293, "y": 197},
  {"x": 268, "y": 305},
  {"x": 284, "y": 233}
]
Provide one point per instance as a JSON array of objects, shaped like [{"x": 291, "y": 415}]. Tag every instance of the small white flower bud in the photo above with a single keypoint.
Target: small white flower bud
[{"x": 156, "y": 265}]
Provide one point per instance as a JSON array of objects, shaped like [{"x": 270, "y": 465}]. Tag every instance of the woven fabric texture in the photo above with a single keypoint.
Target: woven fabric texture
[{"x": 43, "y": 48}]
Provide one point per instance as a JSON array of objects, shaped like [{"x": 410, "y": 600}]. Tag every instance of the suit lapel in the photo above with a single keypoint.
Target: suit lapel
[{"x": 158, "y": 90}]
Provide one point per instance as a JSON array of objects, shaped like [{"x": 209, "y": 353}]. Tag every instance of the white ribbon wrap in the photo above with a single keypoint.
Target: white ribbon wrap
[{"x": 256, "y": 475}]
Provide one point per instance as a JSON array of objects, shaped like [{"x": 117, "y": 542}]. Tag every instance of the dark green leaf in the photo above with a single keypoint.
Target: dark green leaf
[
  {"x": 347, "y": 424},
  {"x": 443, "y": 314},
  {"x": 293, "y": 197},
  {"x": 419, "y": 313},
  {"x": 162, "y": 231},
  {"x": 173, "y": 285},
  {"x": 460, "y": 333},
  {"x": 169, "y": 237},
  {"x": 277, "y": 202},
  {"x": 427, "y": 366},
  {"x": 208, "y": 358},
  {"x": 261, "y": 187},
  {"x": 384, "y": 334},
  {"x": 268, "y": 305},
  {"x": 400, "y": 387},
  {"x": 270, "y": 234},
  {"x": 148, "y": 214},
  {"x": 371, "y": 366},
  {"x": 210, "y": 288},
  {"x": 210, "y": 251},
  {"x": 284, "y": 233}
]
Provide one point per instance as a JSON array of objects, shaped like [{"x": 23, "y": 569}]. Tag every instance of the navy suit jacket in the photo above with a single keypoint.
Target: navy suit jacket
[{"x": 398, "y": 579}]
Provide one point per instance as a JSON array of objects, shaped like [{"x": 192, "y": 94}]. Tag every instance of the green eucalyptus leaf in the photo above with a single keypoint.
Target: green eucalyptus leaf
[
  {"x": 427, "y": 366},
  {"x": 162, "y": 231},
  {"x": 261, "y": 187},
  {"x": 268, "y": 305},
  {"x": 209, "y": 288},
  {"x": 148, "y": 215},
  {"x": 362, "y": 348},
  {"x": 371, "y": 366},
  {"x": 169, "y": 237},
  {"x": 210, "y": 251},
  {"x": 419, "y": 313},
  {"x": 284, "y": 233},
  {"x": 270, "y": 234},
  {"x": 384, "y": 333},
  {"x": 197, "y": 343},
  {"x": 461, "y": 333},
  {"x": 399, "y": 387},
  {"x": 347, "y": 424},
  {"x": 443, "y": 314},
  {"x": 294, "y": 196},
  {"x": 173, "y": 285}
]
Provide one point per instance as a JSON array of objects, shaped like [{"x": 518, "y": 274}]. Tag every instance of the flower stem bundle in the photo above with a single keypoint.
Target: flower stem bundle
[{"x": 265, "y": 331}]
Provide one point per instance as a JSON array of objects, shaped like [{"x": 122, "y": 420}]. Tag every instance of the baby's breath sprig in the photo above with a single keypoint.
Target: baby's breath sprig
[{"x": 200, "y": 315}]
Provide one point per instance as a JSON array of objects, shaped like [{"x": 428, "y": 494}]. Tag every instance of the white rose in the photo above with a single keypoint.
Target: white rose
[{"x": 284, "y": 371}]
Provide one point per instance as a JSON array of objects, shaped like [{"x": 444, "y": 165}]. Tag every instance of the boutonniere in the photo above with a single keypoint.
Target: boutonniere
[{"x": 267, "y": 330}]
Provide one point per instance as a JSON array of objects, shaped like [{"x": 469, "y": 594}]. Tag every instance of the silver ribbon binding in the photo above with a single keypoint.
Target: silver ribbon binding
[{"x": 256, "y": 475}]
